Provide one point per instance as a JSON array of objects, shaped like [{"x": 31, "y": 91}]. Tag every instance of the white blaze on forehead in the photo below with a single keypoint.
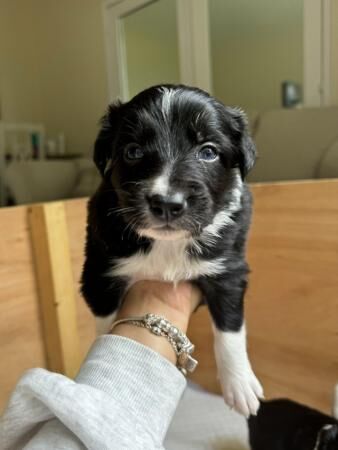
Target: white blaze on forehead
[{"x": 167, "y": 97}]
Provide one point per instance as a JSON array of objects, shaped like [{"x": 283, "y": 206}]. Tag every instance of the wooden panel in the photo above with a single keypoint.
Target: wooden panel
[
  {"x": 20, "y": 333},
  {"x": 293, "y": 300},
  {"x": 292, "y": 303},
  {"x": 55, "y": 286},
  {"x": 76, "y": 213}
]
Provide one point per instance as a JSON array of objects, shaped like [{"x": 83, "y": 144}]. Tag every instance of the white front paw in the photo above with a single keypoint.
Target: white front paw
[
  {"x": 240, "y": 387},
  {"x": 242, "y": 391}
]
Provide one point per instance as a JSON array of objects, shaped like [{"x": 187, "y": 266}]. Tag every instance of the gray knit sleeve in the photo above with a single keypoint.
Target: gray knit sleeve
[{"x": 124, "y": 397}]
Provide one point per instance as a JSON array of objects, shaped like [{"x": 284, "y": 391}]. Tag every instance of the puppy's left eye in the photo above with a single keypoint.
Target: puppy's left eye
[{"x": 207, "y": 153}]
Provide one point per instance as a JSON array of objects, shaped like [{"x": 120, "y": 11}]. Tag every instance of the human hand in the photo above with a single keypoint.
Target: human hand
[{"x": 175, "y": 303}]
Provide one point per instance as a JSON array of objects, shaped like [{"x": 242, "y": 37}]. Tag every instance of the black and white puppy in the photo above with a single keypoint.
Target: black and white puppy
[
  {"x": 173, "y": 206},
  {"x": 287, "y": 425}
]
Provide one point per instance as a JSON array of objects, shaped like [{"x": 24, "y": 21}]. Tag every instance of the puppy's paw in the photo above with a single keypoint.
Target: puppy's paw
[{"x": 242, "y": 392}]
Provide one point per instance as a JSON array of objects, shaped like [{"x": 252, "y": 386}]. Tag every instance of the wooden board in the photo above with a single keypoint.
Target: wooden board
[
  {"x": 76, "y": 214},
  {"x": 292, "y": 302},
  {"x": 21, "y": 329},
  {"x": 21, "y": 344},
  {"x": 52, "y": 261},
  {"x": 293, "y": 299}
]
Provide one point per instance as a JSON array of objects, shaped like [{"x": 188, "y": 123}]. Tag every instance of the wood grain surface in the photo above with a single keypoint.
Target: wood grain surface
[
  {"x": 53, "y": 267},
  {"x": 292, "y": 302},
  {"x": 21, "y": 344}
]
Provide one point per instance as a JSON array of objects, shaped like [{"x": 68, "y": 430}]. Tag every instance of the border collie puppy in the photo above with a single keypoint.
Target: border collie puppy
[
  {"x": 287, "y": 425},
  {"x": 173, "y": 206}
]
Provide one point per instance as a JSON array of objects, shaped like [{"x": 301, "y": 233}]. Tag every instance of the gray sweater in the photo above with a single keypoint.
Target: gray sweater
[{"x": 124, "y": 397}]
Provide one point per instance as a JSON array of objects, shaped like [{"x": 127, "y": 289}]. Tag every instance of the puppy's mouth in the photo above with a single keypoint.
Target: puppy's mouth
[
  {"x": 164, "y": 228},
  {"x": 164, "y": 233}
]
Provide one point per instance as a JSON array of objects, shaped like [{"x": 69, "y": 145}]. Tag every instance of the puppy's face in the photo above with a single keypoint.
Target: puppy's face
[{"x": 169, "y": 154}]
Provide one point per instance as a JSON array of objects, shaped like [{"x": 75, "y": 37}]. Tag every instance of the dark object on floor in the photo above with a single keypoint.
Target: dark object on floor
[{"x": 286, "y": 425}]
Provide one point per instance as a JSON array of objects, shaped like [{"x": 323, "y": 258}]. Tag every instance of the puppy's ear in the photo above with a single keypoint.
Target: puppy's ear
[
  {"x": 104, "y": 142},
  {"x": 245, "y": 149}
]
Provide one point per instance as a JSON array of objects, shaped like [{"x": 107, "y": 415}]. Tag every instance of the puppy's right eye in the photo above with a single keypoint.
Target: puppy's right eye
[{"x": 133, "y": 153}]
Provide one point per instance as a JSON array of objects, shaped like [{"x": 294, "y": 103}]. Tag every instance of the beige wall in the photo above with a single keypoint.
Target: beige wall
[
  {"x": 20, "y": 62},
  {"x": 254, "y": 47},
  {"x": 253, "y": 78},
  {"x": 151, "y": 46},
  {"x": 53, "y": 66}
]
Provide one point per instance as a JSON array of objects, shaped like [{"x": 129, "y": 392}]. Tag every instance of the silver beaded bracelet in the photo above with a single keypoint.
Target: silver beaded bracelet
[{"x": 160, "y": 326}]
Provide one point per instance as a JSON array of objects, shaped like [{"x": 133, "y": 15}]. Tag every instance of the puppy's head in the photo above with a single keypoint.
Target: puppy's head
[{"x": 173, "y": 154}]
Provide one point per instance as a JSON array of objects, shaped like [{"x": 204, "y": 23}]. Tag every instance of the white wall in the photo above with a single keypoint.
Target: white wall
[
  {"x": 152, "y": 46},
  {"x": 255, "y": 45},
  {"x": 53, "y": 66},
  {"x": 20, "y": 62}
]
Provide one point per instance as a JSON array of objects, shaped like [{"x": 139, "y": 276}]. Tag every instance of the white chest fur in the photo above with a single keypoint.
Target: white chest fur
[{"x": 168, "y": 261}]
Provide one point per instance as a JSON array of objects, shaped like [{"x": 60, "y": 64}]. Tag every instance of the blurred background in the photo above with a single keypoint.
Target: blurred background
[{"x": 62, "y": 62}]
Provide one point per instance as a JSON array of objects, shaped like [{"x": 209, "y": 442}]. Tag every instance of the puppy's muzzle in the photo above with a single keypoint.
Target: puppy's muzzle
[{"x": 167, "y": 208}]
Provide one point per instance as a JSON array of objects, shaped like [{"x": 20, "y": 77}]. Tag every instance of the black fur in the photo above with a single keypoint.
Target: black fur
[
  {"x": 193, "y": 118},
  {"x": 286, "y": 425}
]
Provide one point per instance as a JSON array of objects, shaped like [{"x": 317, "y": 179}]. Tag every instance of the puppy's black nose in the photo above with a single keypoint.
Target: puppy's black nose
[{"x": 168, "y": 207}]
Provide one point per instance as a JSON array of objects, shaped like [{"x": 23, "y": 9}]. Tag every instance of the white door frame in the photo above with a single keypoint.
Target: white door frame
[
  {"x": 194, "y": 47},
  {"x": 317, "y": 53},
  {"x": 327, "y": 77},
  {"x": 193, "y": 43},
  {"x": 113, "y": 12}
]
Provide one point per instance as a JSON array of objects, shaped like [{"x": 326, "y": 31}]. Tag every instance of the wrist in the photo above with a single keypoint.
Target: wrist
[
  {"x": 174, "y": 303},
  {"x": 160, "y": 326},
  {"x": 144, "y": 337},
  {"x": 131, "y": 308}
]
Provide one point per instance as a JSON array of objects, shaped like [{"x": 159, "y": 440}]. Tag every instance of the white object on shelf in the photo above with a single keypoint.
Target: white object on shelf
[{"x": 16, "y": 141}]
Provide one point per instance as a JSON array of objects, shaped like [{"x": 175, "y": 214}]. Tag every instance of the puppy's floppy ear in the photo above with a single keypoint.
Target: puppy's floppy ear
[
  {"x": 104, "y": 142},
  {"x": 245, "y": 149}
]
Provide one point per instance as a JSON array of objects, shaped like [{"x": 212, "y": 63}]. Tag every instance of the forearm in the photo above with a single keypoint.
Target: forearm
[
  {"x": 145, "y": 386},
  {"x": 126, "y": 391}
]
